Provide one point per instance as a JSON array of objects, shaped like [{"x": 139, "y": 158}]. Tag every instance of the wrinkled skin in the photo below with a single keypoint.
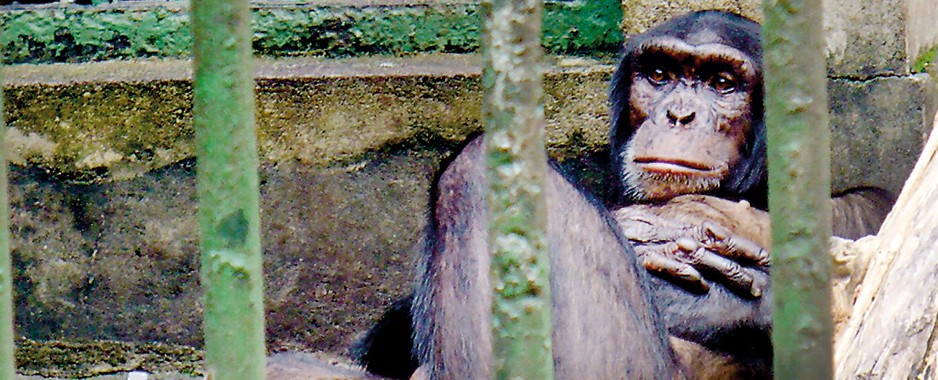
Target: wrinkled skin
[
  {"x": 695, "y": 234},
  {"x": 691, "y": 233}
]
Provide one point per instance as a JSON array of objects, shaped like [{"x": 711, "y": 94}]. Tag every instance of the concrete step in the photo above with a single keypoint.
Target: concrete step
[{"x": 118, "y": 119}]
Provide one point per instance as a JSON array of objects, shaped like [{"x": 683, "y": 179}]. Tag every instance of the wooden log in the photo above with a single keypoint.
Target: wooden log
[{"x": 891, "y": 331}]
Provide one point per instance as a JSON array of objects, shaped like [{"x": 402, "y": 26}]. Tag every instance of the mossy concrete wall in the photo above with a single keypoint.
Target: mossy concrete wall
[
  {"x": 118, "y": 119},
  {"x": 864, "y": 38}
]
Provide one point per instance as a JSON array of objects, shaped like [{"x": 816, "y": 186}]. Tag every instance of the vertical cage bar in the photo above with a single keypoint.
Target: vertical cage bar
[
  {"x": 513, "y": 113},
  {"x": 223, "y": 108},
  {"x": 7, "y": 361},
  {"x": 799, "y": 187}
]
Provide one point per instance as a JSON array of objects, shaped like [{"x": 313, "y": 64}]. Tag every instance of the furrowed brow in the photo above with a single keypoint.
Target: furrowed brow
[
  {"x": 666, "y": 46},
  {"x": 678, "y": 51},
  {"x": 724, "y": 56}
]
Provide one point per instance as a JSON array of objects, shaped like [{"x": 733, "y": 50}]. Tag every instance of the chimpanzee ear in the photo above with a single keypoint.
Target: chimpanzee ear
[
  {"x": 750, "y": 172},
  {"x": 619, "y": 90}
]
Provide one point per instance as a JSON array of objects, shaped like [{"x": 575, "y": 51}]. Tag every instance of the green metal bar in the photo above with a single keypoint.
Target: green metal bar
[
  {"x": 513, "y": 114},
  {"x": 7, "y": 362},
  {"x": 223, "y": 108},
  {"x": 799, "y": 188}
]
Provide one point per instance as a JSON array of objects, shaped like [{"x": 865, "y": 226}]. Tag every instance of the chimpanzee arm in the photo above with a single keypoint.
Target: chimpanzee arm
[
  {"x": 692, "y": 237},
  {"x": 605, "y": 324},
  {"x": 719, "y": 319}
]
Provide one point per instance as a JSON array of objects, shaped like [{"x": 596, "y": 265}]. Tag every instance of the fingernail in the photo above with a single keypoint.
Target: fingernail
[
  {"x": 756, "y": 292},
  {"x": 687, "y": 244}
]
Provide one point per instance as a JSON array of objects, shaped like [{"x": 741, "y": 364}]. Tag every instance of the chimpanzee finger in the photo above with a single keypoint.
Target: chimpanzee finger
[
  {"x": 647, "y": 229},
  {"x": 669, "y": 268},
  {"x": 735, "y": 247},
  {"x": 737, "y": 278}
]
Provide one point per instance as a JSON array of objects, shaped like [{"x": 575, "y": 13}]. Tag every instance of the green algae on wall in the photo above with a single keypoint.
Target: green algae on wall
[
  {"x": 925, "y": 61},
  {"x": 76, "y": 34},
  {"x": 348, "y": 31},
  {"x": 583, "y": 26}
]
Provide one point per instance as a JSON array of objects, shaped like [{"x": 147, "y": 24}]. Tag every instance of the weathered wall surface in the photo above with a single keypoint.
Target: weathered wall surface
[
  {"x": 881, "y": 101},
  {"x": 877, "y": 129},
  {"x": 104, "y": 228},
  {"x": 921, "y": 32},
  {"x": 120, "y": 260}
]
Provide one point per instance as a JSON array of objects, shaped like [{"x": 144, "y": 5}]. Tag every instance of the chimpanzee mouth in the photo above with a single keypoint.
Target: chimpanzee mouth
[{"x": 672, "y": 166}]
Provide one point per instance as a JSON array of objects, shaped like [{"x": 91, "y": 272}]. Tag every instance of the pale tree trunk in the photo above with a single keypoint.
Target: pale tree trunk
[{"x": 891, "y": 329}]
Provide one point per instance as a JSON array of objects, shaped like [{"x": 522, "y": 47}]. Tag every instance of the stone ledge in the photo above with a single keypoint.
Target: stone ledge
[
  {"x": 438, "y": 65},
  {"x": 115, "y": 120}
]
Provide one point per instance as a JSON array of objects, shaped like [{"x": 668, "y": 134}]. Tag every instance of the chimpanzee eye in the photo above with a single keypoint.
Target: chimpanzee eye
[
  {"x": 658, "y": 76},
  {"x": 723, "y": 83}
]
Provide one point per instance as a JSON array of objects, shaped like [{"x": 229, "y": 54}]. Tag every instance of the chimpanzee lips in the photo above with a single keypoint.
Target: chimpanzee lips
[{"x": 672, "y": 166}]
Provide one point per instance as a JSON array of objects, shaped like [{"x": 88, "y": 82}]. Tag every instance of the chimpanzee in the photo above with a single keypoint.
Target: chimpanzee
[
  {"x": 686, "y": 109},
  {"x": 686, "y": 104}
]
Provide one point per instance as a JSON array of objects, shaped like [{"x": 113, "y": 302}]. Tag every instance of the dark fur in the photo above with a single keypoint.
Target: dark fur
[
  {"x": 387, "y": 347},
  {"x": 452, "y": 316}
]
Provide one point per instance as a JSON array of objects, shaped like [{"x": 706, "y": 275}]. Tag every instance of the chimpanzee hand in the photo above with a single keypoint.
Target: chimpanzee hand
[{"x": 686, "y": 236}]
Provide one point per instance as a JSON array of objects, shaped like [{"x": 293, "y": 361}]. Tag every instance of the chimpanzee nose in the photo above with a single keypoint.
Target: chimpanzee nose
[{"x": 681, "y": 118}]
